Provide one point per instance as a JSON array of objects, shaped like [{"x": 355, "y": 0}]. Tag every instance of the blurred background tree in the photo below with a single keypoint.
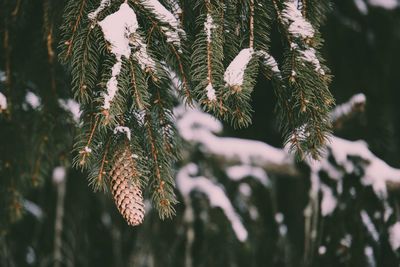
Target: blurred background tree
[{"x": 253, "y": 206}]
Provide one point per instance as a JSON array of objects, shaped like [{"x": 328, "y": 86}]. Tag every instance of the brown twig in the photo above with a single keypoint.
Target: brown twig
[
  {"x": 75, "y": 27},
  {"x": 251, "y": 41}
]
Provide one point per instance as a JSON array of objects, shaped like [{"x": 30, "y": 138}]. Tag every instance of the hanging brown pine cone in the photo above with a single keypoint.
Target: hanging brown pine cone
[{"x": 126, "y": 192}]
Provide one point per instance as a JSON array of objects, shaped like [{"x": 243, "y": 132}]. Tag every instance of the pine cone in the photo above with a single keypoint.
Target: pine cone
[{"x": 126, "y": 193}]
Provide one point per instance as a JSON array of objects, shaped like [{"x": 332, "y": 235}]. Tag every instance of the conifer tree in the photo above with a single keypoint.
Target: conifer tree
[
  {"x": 128, "y": 107},
  {"x": 123, "y": 57}
]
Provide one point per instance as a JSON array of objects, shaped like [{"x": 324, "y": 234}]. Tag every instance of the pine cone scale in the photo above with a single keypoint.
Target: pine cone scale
[{"x": 126, "y": 191}]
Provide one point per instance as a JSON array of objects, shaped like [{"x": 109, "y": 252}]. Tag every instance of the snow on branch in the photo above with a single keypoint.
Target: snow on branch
[
  {"x": 377, "y": 173},
  {"x": 269, "y": 62},
  {"x": 208, "y": 27},
  {"x": 123, "y": 129},
  {"x": 71, "y": 106},
  {"x": 103, "y": 4},
  {"x": 234, "y": 74},
  {"x": 215, "y": 194},
  {"x": 239, "y": 172},
  {"x": 32, "y": 100},
  {"x": 162, "y": 14},
  {"x": 369, "y": 225},
  {"x": 394, "y": 236},
  {"x": 145, "y": 61},
  {"x": 200, "y": 128},
  {"x": 298, "y": 26},
  {"x": 3, "y": 102},
  {"x": 309, "y": 55},
  {"x": 175, "y": 7},
  {"x": 385, "y": 4},
  {"x": 342, "y": 111},
  {"x": 117, "y": 28}
]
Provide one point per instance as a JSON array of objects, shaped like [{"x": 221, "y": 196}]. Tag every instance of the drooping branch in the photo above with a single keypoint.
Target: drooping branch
[{"x": 199, "y": 128}]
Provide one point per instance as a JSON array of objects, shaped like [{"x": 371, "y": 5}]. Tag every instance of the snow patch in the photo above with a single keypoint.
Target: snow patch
[
  {"x": 245, "y": 189},
  {"x": 346, "y": 108},
  {"x": 123, "y": 129},
  {"x": 175, "y": 7},
  {"x": 361, "y": 6},
  {"x": 310, "y": 56},
  {"x": 234, "y": 74},
  {"x": 208, "y": 26},
  {"x": 369, "y": 225},
  {"x": 279, "y": 218},
  {"x": 385, "y": 4},
  {"x": 394, "y": 236},
  {"x": 145, "y": 61},
  {"x": 59, "y": 174},
  {"x": 71, "y": 106},
  {"x": 239, "y": 172},
  {"x": 103, "y": 4},
  {"x": 211, "y": 92},
  {"x": 117, "y": 28},
  {"x": 198, "y": 127},
  {"x": 166, "y": 17},
  {"x": 376, "y": 173},
  {"x": 3, "y": 76},
  {"x": 33, "y": 209},
  {"x": 216, "y": 195},
  {"x": 3, "y": 102},
  {"x": 32, "y": 100},
  {"x": 329, "y": 201},
  {"x": 297, "y": 24},
  {"x": 369, "y": 254},
  {"x": 270, "y": 62}
]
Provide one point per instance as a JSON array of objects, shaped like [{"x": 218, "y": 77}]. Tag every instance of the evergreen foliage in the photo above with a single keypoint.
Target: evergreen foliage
[
  {"x": 113, "y": 78},
  {"x": 278, "y": 213}
]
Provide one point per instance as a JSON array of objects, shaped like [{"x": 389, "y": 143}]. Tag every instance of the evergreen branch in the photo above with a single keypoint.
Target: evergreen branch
[
  {"x": 230, "y": 36},
  {"x": 173, "y": 30},
  {"x": 239, "y": 80},
  {"x": 185, "y": 84},
  {"x": 208, "y": 55},
  {"x": 163, "y": 195},
  {"x": 315, "y": 11},
  {"x": 85, "y": 60},
  {"x": 78, "y": 18},
  {"x": 179, "y": 65},
  {"x": 37, "y": 164},
  {"x": 137, "y": 94},
  {"x": 87, "y": 150},
  {"x": 176, "y": 9},
  {"x": 162, "y": 108},
  {"x": 263, "y": 19},
  {"x": 310, "y": 99},
  {"x": 99, "y": 181}
]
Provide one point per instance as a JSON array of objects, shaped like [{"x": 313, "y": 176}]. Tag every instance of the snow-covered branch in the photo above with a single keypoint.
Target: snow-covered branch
[
  {"x": 187, "y": 183},
  {"x": 346, "y": 110},
  {"x": 200, "y": 128}
]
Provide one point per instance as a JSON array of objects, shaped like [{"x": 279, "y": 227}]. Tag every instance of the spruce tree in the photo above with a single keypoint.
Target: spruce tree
[
  {"x": 123, "y": 56},
  {"x": 128, "y": 104}
]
